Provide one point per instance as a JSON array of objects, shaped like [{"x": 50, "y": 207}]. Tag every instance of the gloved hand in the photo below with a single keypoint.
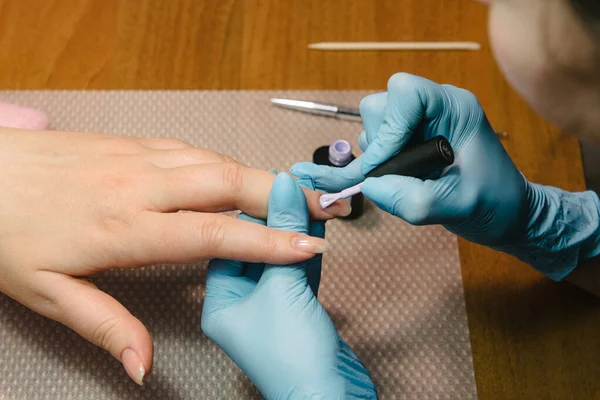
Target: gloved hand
[
  {"x": 482, "y": 197},
  {"x": 268, "y": 320}
]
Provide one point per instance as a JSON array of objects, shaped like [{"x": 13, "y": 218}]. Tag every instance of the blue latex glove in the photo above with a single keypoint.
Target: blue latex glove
[
  {"x": 482, "y": 197},
  {"x": 269, "y": 321}
]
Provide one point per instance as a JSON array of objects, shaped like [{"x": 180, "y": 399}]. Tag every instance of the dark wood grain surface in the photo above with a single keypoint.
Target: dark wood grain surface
[{"x": 531, "y": 339}]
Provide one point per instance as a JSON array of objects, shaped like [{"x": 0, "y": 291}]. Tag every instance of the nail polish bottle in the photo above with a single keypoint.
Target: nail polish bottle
[{"x": 338, "y": 155}]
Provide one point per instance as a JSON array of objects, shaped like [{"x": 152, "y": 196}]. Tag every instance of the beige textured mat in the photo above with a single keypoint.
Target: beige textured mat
[{"x": 393, "y": 290}]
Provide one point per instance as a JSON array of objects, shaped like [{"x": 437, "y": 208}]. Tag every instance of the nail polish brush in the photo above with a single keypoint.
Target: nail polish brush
[{"x": 418, "y": 161}]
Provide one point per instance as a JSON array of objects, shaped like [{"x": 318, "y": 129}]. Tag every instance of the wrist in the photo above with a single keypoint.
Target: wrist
[{"x": 563, "y": 229}]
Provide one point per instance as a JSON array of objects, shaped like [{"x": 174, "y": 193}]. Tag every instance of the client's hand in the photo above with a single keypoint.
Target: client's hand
[
  {"x": 74, "y": 204},
  {"x": 268, "y": 320}
]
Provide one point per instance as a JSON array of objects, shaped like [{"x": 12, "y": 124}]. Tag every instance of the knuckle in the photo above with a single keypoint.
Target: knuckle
[
  {"x": 468, "y": 97},
  {"x": 270, "y": 243},
  {"x": 370, "y": 104},
  {"x": 401, "y": 81},
  {"x": 117, "y": 182},
  {"x": 105, "y": 332},
  {"x": 420, "y": 204},
  {"x": 233, "y": 177},
  {"x": 212, "y": 233},
  {"x": 463, "y": 96},
  {"x": 471, "y": 200},
  {"x": 115, "y": 224}
]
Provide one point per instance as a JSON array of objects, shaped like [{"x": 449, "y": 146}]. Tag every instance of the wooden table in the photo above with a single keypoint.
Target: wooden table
[{"x": 531, "y": 338}]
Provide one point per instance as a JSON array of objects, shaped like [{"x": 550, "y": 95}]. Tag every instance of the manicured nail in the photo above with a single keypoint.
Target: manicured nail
[
  {"x": 309, "y": 244},
  {"x": 339, "y": 209},
  {"x": 133, "y": 365}
]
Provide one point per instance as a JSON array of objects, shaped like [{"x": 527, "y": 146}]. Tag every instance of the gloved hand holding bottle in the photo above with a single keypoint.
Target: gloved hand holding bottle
[
  {"x": 268, "y": 320},
  {"x": 483, "y": 197}
]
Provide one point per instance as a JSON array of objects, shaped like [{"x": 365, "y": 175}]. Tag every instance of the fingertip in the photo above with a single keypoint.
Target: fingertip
[
  {"x": 137, "y": 357},
  {"x": 372, "y": 111},
  {"x": 134, "y": 366},
  {"x": 337, "y": 209},
  {"x": 105, "y": 322},
  {"x": 310, "y": 245},
  {"x": 403, "y": 81},
  {"x": 303, "y": 169}
]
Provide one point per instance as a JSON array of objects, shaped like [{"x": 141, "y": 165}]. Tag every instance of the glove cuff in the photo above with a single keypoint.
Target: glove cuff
[{"x": 563, "y": 230}]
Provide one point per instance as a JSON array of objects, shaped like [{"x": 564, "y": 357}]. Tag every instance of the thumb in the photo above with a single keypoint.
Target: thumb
[
  {"x": 317, "y": 229},
  {"x": 287, "y": 211},
  {"x": 102, "y": 320},
  {"x": 415, "y": 201},
  {"x": 411, "y": 101}
]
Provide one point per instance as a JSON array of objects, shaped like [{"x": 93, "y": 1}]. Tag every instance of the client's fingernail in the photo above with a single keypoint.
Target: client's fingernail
[
  {"x": 133, "y": 365},
  {"x": 339, "y": 209},
  {"x": 309, "y": 244}
]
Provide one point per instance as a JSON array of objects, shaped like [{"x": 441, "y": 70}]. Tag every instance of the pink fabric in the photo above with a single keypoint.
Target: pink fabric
[{"x": 13, "y": 116}]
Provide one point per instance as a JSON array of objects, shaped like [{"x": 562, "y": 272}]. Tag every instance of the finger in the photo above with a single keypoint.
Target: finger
[
  {"x": 415, "y": 201},
  {"x": 225, "y": 187},
  {"x": 372, "y": 112},
  {"x": 253, "y": 271},
  {"x": 227, "y": 281},
  {"x": 102, "y": 320},
  {"x": 410, "y": 100},
  {"x": 288, "y": 211},
  {"x": 314, "y": 265},
  {"x": 188, "y": 237},
  {"x": 330, "y": 179},
  {"x": 316, "y": 229},
  {"x": 363, "y": 143},
  {"x": 180, "y": 157},
  {"x": 162, "y": 143}
]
